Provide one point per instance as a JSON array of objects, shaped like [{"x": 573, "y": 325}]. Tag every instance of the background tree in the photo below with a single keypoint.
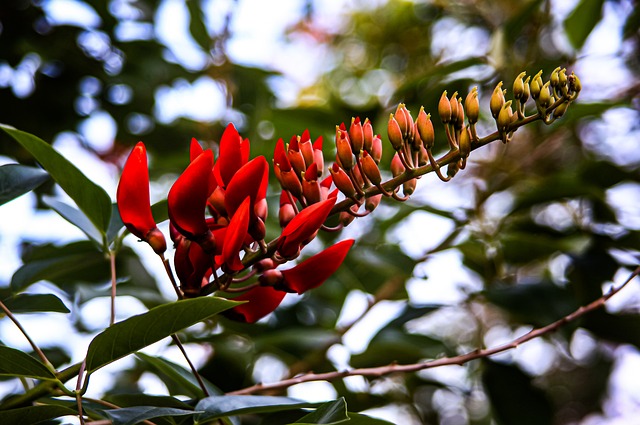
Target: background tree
[{"x": 533, "y": 229}]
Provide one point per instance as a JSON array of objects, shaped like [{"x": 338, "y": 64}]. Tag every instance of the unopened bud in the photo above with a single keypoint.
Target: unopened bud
[
  {"x": 264, "y": 265},
  {"x": 560, "y": 109},
  {"x": 460, "y": 120},
  {"x": 396, "y": 166},
  {"x": 306, "y": 148},
  {"x": 295, "y": 156},
  {"x": 403, "y": 117},
  {"x": 287, "y": 210},
  {"x": 342, "y": 181},
  {"x": 472, "y": 106},
  {"x": 444, "y": 108},
  {"x": 344, "y": 153},
  {"x": 527, "y": 91},
  {"x": 554, "y": 80},
  {"x": 574, "y": 83},
  {"x": 376, "y": 149},
  {"x": 453, "y": 102},
  {"x": 545, "y": 96},
  {"x": 356, "y": 135},
  {"x": 310, "y": 185},
  {"x": 367, "y": 132},
  {"x": 453, "y": 168},
  {"x": 409, "y": 187},
  {"x": 395, "y": 133},
  {"x": 504, "y": 117},
  {"x": 271, "y": 277},
  {"x": 536, "y": 85},
  {"x": 497, "y": 100},
  {"x": 464, "y": 143},
  {"x": 372, "y": 202},
  {"x": 518, "y": 86},
  {"x": 318, "y": 156},
  {"x": 425, "y": 128},
  {"x": 370, "y": 169},
  {"x": 562, "y": 77}
]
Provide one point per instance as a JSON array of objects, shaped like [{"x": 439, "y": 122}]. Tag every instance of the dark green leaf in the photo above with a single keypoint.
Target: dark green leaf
[
  {"x": 90, "y": 198},
  {"x": 17, "y": 363},
  {"x": 115, "y": 224},
  {"x": 140, "y": 399},
  {"x": 227, "y": 405},
  {"x": 176, "y": 376},
  {"x": 134, "y": 415},
  {"x": 197, "y": 27},
  {"x": 394, "y": 345},
  {"x": 35, "y": 303},
  {"x": 139, "y": 331},
  {"x": 75, "y": 217},
  {"x": 332, "y": 412},
  {"x": 582, "y": 20},
  {"x": 33, "y": 414},
  {"x": 513, "y": 397},
  {"x": 16, "y": 180}
]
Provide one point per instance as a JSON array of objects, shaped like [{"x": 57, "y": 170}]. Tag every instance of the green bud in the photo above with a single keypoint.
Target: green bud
[
  {"x": 504, "y": 117},
  {"x": 562, "y": 77},
  {"x": 545, "y": 98},
  {"x": 527, "y": 91},
  {"x": 497, "y": 100},
  {"x": 536, "y": 85},
  {"x": 554, "y": 80},
  {"x": 574, "y": 83},
  {"x": 560, "y": 109},
  {"x": 518, "y": 86}
]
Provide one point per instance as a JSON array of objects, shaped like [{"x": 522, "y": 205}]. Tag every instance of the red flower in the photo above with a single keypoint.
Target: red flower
[
  {"x": 187, "y": 198},
  {"x": 234, "y": 153},
  {"x": 133, "y": 200},
  {"x": 262, "y": 300},
  {"x": 303, "y": 227},
  {"x": 235, "y": 237},
  {"x": 312, "y": 272}
]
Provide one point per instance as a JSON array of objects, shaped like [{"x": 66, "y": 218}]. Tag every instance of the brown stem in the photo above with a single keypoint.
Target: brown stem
[
  {"x": 112, "y": 260},
  {"x": 444, "y": 361},
  {"x": 35, "y": 347},
  {"x": 175, "y": 339},
  {"x": 167, "y": 268}
]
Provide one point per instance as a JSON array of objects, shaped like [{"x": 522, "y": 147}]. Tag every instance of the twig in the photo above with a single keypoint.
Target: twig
[
  {"x": 112, "y": 259},
  {"x": 37, "y": 349},
  {"x": 444, "y": 361},
  {"x": 175, "y": 339}
]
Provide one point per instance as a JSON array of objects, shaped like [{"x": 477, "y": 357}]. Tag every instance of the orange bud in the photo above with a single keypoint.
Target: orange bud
[
  {"x": 376, "y": 149},
  {"x": 367, "y": 131},
  {"x": 397, "y": 167},
  {"x": 395, "y": 133},
  {"x": 356, "y": 135},
  {"x": 409, "y": 187},
  {"x": 370, "y": 169},
  {"x": 472, "y": 106},
  {"x": 372, "y": 202},
  {"x": 425, "y": 128},
  {"x": 342, "y": 181},
  {"x": 497, "y": 100},
  {"x": 444, "y": 108}
]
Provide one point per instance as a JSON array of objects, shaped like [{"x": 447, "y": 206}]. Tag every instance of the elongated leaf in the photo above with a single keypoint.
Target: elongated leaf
[
  {"x": 139, "y": 331},
  {"x": 35, "y": 303},
  {"x": 75, "y": 217},
  {"x": 134, "y": 415},
  {"x": 33, "y": 414},
  {"x": 115, "y": 224},
  {"x": 89, "y": 197},
  {"x": 16, "y": 180},
  {"x": 359, "y": 419},
  {"x": 196, "y": 25},
  {"x": 227, "y": 405},
  {"x": 176, "y": 376},
  {"x": 582, "y": 20},
  {"x": 17, "y": 363},
  {"x": 141, "y": 399},
  {"x": 332, "y": 412}
]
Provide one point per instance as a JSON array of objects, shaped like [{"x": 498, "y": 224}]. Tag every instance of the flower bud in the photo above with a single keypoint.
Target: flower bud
[
  {"x": 356, "y": 135},
  {"x": 464, "y": 142},
  {"x": 289, "y": 181},
  {"x": 370, "y": 169},
  {"x": 318, "y": 156},
  {"x": 403, "y": 117},
  {"x": 574, "y": 83},
  {"x": 342, "y": 181},
  {"x": 562, "y": 77},
  {"x": 518, "y": 86},
  {"x": 271, "y": 277},
  {"x": 310, "y": 185},
  {"x": 472, "y": 106},
  {"x": 395, "y": 133},
  {"x": 545, "y": 98},
  {"x": 536, "y": 85},
  {"x": 287, "y": 210},
  {"x": 554, "y": 80},
  {"x": 367, "y": 132},
  {"x": 372, "y": 202},
  {"x": 397, "y": 167},
  {"x": 453, "y": 103},
  {"x": 560, "y": 109},
  {"x": 264, "y": 265},
  {"x": 444, "y": 108},
  {"x": 453, "y": 168},
  {"x": 425, "y": 128},
  {"x": 376, "y": 149},
  {"x": 497, "y": 100},
  {"x": 156, "y": 240},
  {"x": 306, "y": 148},
  {"x": 295, "y": 156},
  {"x": 460, "y": 120},
  {"x": 346, "y": 218},
  {"x": 344, "y": 153},
  {"x": 504, "y": 117},
  {"x": 526, "y": 92},
  {"x": 409, "y": 187}
]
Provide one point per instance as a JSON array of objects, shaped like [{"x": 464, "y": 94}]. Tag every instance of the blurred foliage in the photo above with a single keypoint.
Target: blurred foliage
[{"x": 557, "y": 239}]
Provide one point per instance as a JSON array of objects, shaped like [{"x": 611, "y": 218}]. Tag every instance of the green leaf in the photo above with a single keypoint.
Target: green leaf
[
  {"x": 35, "y": 303},
  {"x": 582, "y": 21},
  {"x": 196, "y": 25},
  {"x": 90, "y": 198},
  {"x": 75, "y": 217},
  {"x": 62, "y": 261},
  {"x": 139, "y": 331},
  {"x": 134, "y": 415},
  {"x": 16, "y": 180},
  {"x": 141, "y": 399},
  {"x": 226, "y": 405},
  {"x": 33, "y": 414},
  {"x": 115, "y": 224},
  {"x": 17, "y": 363},
  {"x": 332, "y": 412},
  {"x": 176, "y": 376}
]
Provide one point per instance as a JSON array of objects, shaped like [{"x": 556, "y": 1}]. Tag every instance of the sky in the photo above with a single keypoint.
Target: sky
[{"x": 258, "y": 41}]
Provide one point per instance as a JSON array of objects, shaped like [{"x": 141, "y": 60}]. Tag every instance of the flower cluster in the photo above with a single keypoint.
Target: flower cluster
[{"x": 218, "y": 208}]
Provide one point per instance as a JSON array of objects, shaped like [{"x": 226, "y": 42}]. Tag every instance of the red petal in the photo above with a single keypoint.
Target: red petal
[
  {"x": 187, "y": 198},
  {"x": 230, "y": 158},
  {"x": 303, "y": 226},
  {"x": 133, "y": 194},
  {"x": 248, "y": 181},
  {"x": 193, "y": 267},
  {"x": 236, "y": 234},
  {"x": 262, "y": 300},
  {"x": 312, "y": 272},
  {"x": 194, "y": 149}
]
